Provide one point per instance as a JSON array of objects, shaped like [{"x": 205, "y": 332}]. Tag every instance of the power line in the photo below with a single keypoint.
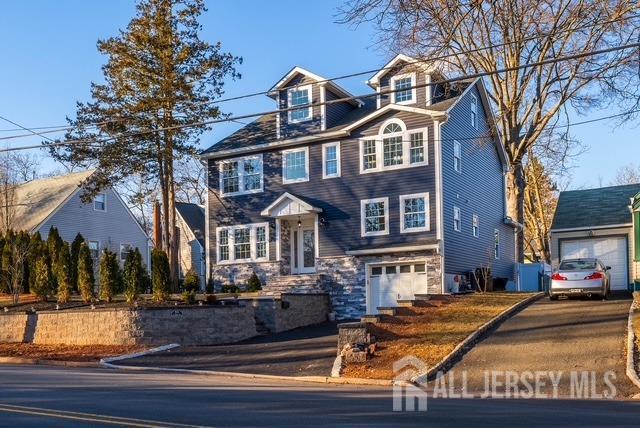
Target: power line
[
  {"x": 344, "y": 99},
  {"x": 26, "y": 129}
]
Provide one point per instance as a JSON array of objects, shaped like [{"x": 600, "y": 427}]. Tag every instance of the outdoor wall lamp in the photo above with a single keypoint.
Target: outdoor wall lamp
[
  {"x": 324, "y": 222},
  {"x": 299, "y": 222}
]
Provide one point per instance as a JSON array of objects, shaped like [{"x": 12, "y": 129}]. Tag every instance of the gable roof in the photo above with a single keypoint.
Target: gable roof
[
  {"x": 193, "y": 215},
  {"x": 37, "y": 200},
  {"x": 604, "y": 206},
  {"x": 374, "y": 81}
]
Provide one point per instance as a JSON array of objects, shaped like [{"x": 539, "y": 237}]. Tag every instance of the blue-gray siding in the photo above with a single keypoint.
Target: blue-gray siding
[
  {"x": 289, "y": 130},
  {"x": 478, "y": 189}
]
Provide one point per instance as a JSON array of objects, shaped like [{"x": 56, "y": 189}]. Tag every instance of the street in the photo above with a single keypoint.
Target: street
[{"x": 48, "y": 395}]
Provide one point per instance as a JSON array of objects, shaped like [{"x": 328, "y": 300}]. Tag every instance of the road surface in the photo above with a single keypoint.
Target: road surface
[{"x": 50, "y": 396}]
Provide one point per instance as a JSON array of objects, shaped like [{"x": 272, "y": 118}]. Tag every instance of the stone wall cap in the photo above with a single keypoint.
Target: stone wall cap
[{"x": 354, "y": 325}]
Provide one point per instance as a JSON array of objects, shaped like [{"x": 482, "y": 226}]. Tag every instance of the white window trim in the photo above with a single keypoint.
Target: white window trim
[
  {"x": 427, "y": 211},
  {"x": 473, "y": 106},
  {"x": 363, "y": 202},
  {"x": 457, "y": 214},
  {"x": 309, "y": 109},
  {"x": 496, "y": 248},
  {"x": 90, "y": 250},
  {"x": 306, "y": 165},
  {"x": 475, "y": 226},
  {"x": 456, "y": 144},
  {"x": 252, "y": 241},
  {"x": 120, "y": 252},
  {"x": 105, "y": 203},
  {"x": 392, "y": 83},
  {"x": 338, "y": 173},
  {"x": 241, "y": 176},
  {"x": 406, "y": 148}
]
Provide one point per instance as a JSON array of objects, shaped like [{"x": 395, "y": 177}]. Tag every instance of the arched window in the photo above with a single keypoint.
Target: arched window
[{"x": 392, "y": 128}]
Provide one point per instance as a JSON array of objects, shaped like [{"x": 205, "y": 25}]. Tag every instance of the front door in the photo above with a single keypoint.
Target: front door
[{"x": 303, "y": 250}]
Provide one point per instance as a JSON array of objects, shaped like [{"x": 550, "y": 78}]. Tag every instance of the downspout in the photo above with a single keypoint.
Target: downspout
[{"x": 437, "y": 143}]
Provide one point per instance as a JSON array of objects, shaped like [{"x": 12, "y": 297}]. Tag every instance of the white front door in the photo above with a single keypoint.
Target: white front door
[{"x": 303, "y": 249}]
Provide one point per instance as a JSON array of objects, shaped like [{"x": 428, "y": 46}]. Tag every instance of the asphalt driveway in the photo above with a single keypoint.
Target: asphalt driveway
[
  {"x": 307, "y": 351},
  {"x": 580, "y": 336}
]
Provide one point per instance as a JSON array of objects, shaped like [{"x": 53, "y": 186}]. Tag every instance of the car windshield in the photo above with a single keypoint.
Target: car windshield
[{"x": 578, "y": 265}]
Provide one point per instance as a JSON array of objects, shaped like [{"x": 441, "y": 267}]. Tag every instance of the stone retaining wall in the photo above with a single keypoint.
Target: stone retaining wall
[
  {"x": 292, "y": 311},
  {"x": 13, "y": 328}
]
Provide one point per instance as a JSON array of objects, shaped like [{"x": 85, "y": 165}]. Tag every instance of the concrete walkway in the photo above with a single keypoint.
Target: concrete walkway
[
  {"x": 563, "y": 336},
  {"x": 307, "y": 351}
]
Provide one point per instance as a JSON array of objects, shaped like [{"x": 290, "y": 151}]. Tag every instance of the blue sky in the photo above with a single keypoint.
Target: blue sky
[{"x": 49, "y": 57}]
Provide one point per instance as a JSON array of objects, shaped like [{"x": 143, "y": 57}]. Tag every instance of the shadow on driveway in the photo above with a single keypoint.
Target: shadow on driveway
[{"x": 307, "y": 351}]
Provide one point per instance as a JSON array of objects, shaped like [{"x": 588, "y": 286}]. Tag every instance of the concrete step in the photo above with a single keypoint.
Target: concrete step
[
  {"x": 373, "y": 319},
  {"x": 391, "y": 311},
  {"x": 407, "y": 303},
  {"x": 422, "y": 296}
]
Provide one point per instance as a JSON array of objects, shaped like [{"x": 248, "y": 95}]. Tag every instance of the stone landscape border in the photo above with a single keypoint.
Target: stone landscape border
[{"x": 633, "y": 365}]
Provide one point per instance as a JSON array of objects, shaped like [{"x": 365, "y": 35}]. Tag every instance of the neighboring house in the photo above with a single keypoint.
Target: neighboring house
[
  {"x": 190, "y": 221},
  {"x": 106, "y": 222},
  {"x": 635, "y": 206},
  {"x": 371, "y": 200},
  {"x": 596, "y": 223}
]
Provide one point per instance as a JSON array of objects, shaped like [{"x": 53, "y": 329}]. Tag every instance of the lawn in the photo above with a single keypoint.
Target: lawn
[
  {"x": 430, "y": 333},
  {"x": 64, "y": 352}
]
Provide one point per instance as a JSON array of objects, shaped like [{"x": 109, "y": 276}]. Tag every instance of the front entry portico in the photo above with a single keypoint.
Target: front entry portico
[{"x": 296, "y": 233}]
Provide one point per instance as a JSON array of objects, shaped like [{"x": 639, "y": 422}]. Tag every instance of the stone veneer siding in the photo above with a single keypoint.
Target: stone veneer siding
[
  {"x": 185, "y": 326},
  {"x": 345, "y": 278}
]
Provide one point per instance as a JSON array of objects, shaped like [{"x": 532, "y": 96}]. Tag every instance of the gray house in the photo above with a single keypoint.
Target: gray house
[
  {"x": 190, "y": 222},
  {"x": 597, "y": 223},
  {"x": 371, "y": 200},
  {"x": 106, "y": 222}
]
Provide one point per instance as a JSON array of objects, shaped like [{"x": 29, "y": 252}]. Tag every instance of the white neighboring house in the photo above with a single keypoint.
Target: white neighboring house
[
  {"x": 106, "y": 222},
  {"x": 190, "y": 221}
]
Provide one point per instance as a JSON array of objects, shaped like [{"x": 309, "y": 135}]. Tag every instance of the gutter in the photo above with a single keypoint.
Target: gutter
[{"x": 392, "y": 250}]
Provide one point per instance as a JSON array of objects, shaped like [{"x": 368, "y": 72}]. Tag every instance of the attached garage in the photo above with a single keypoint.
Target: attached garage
[
  {"x": 612, "y": 250},
  {"x": 596, "y": 223},
  {"x": 388, "y": 283}
]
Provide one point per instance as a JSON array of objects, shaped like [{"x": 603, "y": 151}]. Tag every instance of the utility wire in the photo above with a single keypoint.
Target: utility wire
[{"x": 339, "y": 100}]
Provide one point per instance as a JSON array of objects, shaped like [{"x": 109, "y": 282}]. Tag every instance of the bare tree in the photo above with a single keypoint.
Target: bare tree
[
  {"x": 140, "y": 193},
  {"x": 488, "y": 36},
  {"x": 190, "y": 180},
  {"x": 627, "y": 174},
  {"x": 15, "y": 168},
  {"x": 16, "y": 269}
]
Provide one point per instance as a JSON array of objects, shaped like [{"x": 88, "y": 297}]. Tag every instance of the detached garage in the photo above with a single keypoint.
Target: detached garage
[{"x": 596, "y": 223}]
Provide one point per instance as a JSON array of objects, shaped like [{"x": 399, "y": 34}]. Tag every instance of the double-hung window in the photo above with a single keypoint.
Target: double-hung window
[
  {"x": 331, "y": 160},
  {"x": 100, "y": 202},
  {"x": 404, "y": 88},
  {"x": 457, "y": 156},
  {"x": 300, "y": 97},
  {"x": 243, "y": 243},
  {"x": 374, "y": 217},
  {"x": 414, "y": 213},
  {"x": 474, "y": 111},
  {"x": 496, "y": 244},
  {"x": 295, "y": 165},
  {"x": 393, "y": 148},
  {"x": 125, "y": 249},
  {"x": 241, "y": 175},
  {"x": 94, "y": 249},
  {"x": 475, "y": 226},
  {"x": 457, "y": 219}
]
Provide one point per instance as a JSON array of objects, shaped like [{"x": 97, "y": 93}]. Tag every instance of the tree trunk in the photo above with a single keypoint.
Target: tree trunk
[{"x": 515, "y": 204}]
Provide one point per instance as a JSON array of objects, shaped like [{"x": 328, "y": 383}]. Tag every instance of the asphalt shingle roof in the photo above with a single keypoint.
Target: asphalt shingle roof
[
  {"x": 594, "y": 207},
  {"x": 193, "y": 215}
]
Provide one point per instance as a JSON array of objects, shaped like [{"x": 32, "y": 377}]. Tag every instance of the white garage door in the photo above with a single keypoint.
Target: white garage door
[
  {"x": 391, "y": 283},
  {"x": 612, "y": 251}
]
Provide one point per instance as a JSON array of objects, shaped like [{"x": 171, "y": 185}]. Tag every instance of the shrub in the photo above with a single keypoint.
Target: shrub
[
  {"x": 160, "y": 275},
  {"x": 230, "y": 288},
  {"x": 86, "y": 279},
  {"x": 191, "y": 281},
  {"x": 109, "y": 275},
  {"x": 132, "y": 275},
  {"x": 211, "y": 299},
  {"x": 54, "y": 244},
  {"x": 63, "y": 275},
  {"x": 43, "y": 283},
  {"x": 254, "y": 284},
  {"x": 6, "y": 264},
  {"x": 36, "y": 249},
  {"x": 189, "y": 297},
  {"x": 73, "y": 266},
  {"x": 211, "y": 286}
]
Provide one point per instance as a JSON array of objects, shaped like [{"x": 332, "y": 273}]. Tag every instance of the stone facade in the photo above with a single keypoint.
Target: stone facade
[
  {"x": 240, "y": 273},
  {"x": 291, "y": 311}
]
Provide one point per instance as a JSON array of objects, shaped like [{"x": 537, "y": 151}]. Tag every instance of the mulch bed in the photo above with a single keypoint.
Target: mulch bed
[{"x": 91, "y": 353}]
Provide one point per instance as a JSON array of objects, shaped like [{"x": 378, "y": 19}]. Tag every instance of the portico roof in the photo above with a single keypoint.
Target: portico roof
[{"x": 289, "y": 205}]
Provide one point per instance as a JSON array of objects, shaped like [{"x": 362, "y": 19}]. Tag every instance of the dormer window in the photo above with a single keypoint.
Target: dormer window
[
  {"x": 404, "y": 87},
  {"x": 474, "y": 111},
  {"x": 300, "y": 96}
]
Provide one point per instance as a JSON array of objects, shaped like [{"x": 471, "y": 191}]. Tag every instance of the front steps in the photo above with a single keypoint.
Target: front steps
[
  {"x": 304, "y": 283},
  {"x": 419, "y": 300}
]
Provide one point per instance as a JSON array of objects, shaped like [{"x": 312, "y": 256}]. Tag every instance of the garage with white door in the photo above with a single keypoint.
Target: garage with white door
[
  {"x": 389, "y": 283},
  {"x": 611, "y": 250},
  {"x": 596, "y": 223}
]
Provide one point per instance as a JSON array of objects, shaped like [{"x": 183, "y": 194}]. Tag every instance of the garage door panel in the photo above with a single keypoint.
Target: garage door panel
[
  {"x": 612, "y": 251},
  {"x": 394, "y": 283}
]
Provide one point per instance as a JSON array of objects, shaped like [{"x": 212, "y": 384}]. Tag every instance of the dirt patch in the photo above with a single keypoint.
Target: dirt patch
[
  {"x": 64, "y": 352},
  {"x": 431, "y": 332}
]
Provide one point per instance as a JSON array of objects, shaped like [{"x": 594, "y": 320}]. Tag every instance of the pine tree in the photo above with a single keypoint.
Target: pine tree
[
  {"x": 35, "y": 251},
  {"x": 43, "y": 284},
  {"x": 174, "y": 81},
  {"x": 86, "y": 279},
  {"x": 160, "y": 275},
  {"x": 75, "y": 250},
  {"x": 133, "y": 275},
  {"x": 7, "y": 262},
  {"x": 54, "y": 244},
  {"x": 109, "y": 275},
  {"x": 63, "y": 274}
]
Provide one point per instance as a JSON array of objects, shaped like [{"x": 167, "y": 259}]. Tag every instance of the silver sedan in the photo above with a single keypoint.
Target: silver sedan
[{"x": 580, "y": 277}]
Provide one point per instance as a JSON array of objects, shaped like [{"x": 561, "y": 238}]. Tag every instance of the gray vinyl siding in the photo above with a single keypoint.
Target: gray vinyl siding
[
  {"x": 335, "y": 112},
  {"x": 402, "y": 68},
  {"x": 478, "y": 189},
  {"x": 339, "y": 198},
  {"x": 289, "y": 130},
  {"x": 111, "y": 227}
]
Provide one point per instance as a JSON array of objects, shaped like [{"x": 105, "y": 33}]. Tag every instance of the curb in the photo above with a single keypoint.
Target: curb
[
  {"x": 632, "y": 372},
  {"x": 56, "y": 363},
  {"x": 473, "y": 338},
  {"x": 106, "y": 362}
]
